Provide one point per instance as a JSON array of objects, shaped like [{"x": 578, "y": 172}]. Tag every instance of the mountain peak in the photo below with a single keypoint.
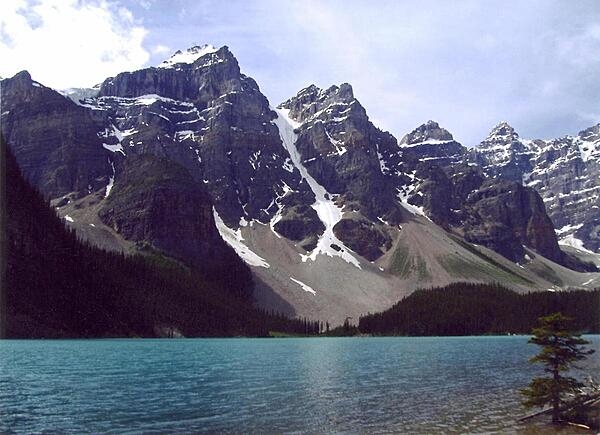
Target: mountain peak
[
  {"x": 189, "y": 56},
  {"x": 342, "y": 92},
  {"x": 22, "y": 75},
  {"x": 312, "y": 94},
  {"x": 591, "y": 134},
  {"x": 429, "y": 132},
  {"x": 503, "y": 129}
]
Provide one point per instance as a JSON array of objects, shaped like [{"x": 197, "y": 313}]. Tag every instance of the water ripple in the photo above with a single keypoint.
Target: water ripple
[{"x": 354, "y": 385}]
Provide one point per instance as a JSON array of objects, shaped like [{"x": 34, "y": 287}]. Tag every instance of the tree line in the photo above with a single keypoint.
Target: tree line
[{"x": 476, "y": 309}]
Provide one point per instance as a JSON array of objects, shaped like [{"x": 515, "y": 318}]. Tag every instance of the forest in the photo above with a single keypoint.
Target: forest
[{"x": 477, "y": 309}]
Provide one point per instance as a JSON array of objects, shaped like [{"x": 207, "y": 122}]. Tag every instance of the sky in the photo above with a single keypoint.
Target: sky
[{"x": 466, "y": 64}]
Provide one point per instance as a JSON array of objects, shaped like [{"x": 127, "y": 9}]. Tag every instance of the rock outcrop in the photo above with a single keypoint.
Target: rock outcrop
[
  {"x": 505, "y": 216},
  {"x": 54, "y": 140},
  {"x": 157, "y": 203}
]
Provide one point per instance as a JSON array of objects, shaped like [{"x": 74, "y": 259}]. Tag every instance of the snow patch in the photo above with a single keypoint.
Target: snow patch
[
  {"x": 234, "y": 239},
  {"x": 278, "y": 215},
  {"x": 189, "y": 56},
  {"x": 567, "y": 229},
  {"x": 305, "y": 287},
  {"x": 425, "y": 142},
  {"x": 77, "y": 95},
  {"x": 111, "y": 180},
  {"x": 69, "y": 218},
  {"x": 587, "y": 149},
  {"x": 340, "y": 147},
  {"x": 382, "y": 163},
  {"x": 182, "y": 135},
  {"x": 404, "y": 192},
  {"x": 254, "y": 160},
  {"x": 576, "y": 243},
  {"x": 329, "y": 213},
  {"x": 589, "y": 281},
  {"x": 114, "y": 148}
]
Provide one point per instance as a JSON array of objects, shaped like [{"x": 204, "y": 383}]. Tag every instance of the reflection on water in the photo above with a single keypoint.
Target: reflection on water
[{"x": 317, "y": 385}]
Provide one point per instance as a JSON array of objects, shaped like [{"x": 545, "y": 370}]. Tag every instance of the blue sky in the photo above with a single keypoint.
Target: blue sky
[{"x": 466, "y": 64}]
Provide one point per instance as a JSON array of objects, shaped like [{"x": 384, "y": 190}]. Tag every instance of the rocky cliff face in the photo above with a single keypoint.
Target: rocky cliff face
[
  {"x": 341, "y": 149},
  {"x": 198, "y": 110},
  {"x": 565, "y": 172},
  {"x": 462, "y": 196},
  {"x": 505, "y": 216},
  {"x": 157, "y": 202},
  {"x": 53, "y": 139}
]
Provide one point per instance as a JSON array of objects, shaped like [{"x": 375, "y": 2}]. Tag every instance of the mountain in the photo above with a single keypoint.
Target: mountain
[
  {"x": 54, "y": 139},
  {"x": 335, "y": 217},
  {"x": 565, "y": 172},
  {"x": 462, "y": 197},
  {"x": 337, "y": 150}
]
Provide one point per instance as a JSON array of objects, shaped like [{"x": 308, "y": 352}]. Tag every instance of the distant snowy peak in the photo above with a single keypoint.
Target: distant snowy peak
[
  {"x": 504, "y": 147},
  {"x": 429, "y": 133},
  {"x": 502, "y": 132},
  {"x": 591, "y": 134},
  {"x": 188, "y": 56},
  {"x": 589, "y": 143}
]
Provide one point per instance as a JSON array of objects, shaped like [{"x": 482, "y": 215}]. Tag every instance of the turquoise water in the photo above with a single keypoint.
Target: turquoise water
[{"x": 317, "y": 385}]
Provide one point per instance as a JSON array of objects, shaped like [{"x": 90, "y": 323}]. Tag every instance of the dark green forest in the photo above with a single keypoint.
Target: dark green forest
[
  {"x": 476, "y": 309},
  {"x": 57, "y": 285}
]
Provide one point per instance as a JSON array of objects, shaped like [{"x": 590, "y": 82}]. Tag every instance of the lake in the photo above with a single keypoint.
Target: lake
[{"x": 303, "y": 385}]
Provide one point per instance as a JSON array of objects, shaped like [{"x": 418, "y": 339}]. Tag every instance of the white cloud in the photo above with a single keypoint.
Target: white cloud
[
  {"x": 160, "y": 49},
  {"x": 146, "y": 4},
  {"x": 69, "y": 43}
]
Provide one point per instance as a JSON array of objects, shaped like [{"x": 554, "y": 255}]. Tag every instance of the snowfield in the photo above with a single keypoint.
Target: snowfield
[
  {"x": 329, "y": 213},
  {"x": 234, "y": 239}
]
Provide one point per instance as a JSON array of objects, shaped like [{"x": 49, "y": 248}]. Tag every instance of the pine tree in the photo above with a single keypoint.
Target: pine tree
[{"x": 561, "y": 347}]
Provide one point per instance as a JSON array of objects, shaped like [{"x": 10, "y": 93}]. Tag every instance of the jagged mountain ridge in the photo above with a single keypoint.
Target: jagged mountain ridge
[
  {"x": 564, "y": 171},
  {"x": 211, "y": 119},
  {"x": 460, "y": 196},
  {"x": 315, "y": 174}
]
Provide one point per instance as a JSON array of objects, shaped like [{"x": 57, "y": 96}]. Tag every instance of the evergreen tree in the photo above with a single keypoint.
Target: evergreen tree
[{"x": 561, "y": 347}]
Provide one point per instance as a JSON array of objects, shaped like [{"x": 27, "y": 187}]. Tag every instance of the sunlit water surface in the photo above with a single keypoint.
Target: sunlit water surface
[{"x": 316, "y": 385}]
